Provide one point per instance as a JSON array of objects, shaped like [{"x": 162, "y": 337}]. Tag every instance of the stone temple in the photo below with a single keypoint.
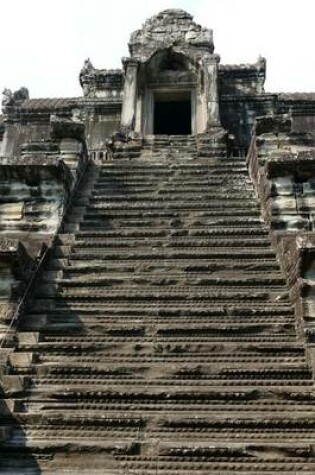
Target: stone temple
[{"x": 157, "y": 262}]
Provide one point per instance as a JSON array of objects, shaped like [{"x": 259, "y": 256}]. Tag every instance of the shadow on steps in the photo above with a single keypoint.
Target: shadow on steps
[{"x": 16, "y": 458}]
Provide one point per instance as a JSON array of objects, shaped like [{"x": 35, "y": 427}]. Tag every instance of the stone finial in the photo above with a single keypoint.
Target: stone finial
[
  {"x": 261, "y": 63},
  {"x": 21, "y": 95},
  {"x": 87, "y": 67},
  {"x": 11, "y": 99},
  {"x": 7, "y": 99},
  {"x": 85, "y": 75}
]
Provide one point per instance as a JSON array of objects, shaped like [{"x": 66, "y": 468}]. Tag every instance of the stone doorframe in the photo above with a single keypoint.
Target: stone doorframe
[
  {"x": 168, "y": 39},
  {"x": 137, "y": 112},
  {"x": 145, "y": 108}
]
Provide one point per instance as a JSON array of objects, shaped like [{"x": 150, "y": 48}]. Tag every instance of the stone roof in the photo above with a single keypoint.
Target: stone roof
[
  {"x": 297, "y": 96},
  {"x": 240, "y": 67},
  {"x": 48, "y": 103}
]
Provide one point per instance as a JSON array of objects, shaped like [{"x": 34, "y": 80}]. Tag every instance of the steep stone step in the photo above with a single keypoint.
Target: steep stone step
[
  {"x": 180, "y": 229},
  {"x": 230, "y": 198},
  {"x": 148, "y": 271},
  {"x": 103, "y": 311},
  {"x": 170, "y": 191},
  {"x": 60, "y": 321},
  {"x": 99, "y": 215},
  {"x": 137, "y": 232},
  {"x": 118, "y": 279},
  {"x": 186, "y": 182},
  {"x": 159, "y": 254},
  {"x": 163, "y": 299},
  {"x": 232, "y": 263},
  {"x": 163, "y": 213},
  {"x": 171, "y": 218},
  {"x": 154, "y": 173},
  {"x": 150, "y": 353},
  {"x": 178, "y": 239},
  {"x": 192, "y": 221},
  {"x": 160, "y": 294},
  {"x": 198, "y": 202}
]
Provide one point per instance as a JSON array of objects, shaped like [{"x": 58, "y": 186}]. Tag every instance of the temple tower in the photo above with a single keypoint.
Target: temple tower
[
  {"x": 157, "y": 268},
  {"x": 171, "y": 72}
]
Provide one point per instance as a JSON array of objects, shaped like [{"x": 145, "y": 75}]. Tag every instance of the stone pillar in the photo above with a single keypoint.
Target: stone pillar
[
  {"x": 213, "y": 93},
  {"x": 130, "y": 94}
]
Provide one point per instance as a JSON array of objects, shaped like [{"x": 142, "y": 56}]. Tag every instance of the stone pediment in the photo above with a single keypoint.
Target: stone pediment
[{"x": 170, "y": 28}]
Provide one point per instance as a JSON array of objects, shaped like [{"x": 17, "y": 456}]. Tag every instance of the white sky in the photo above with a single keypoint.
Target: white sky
[{"x": 43, "y": 43}]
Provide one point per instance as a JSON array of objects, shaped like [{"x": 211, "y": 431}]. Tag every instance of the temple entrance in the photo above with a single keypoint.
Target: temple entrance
[{"x": 172, "y": 113}]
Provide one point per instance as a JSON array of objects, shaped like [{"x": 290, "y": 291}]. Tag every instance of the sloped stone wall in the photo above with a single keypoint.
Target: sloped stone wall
[{"x": 282, "y": 167}]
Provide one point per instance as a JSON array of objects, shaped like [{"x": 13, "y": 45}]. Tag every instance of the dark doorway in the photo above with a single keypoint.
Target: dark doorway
[{"x": 172, "y": 117}]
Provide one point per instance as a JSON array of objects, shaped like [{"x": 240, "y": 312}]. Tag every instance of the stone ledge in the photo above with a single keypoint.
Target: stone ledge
[{"x": 28, "y": 165}]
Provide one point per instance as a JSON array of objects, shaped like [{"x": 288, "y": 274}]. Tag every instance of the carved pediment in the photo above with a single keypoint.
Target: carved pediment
[{"x": 167, "y": 29}]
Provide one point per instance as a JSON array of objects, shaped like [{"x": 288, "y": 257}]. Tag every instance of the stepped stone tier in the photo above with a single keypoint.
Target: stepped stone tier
[{"x": 157, "y": 264}]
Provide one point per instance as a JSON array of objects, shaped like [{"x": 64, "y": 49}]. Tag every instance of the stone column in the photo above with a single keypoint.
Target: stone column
[
  {"x": 130, "y": 94},
  {"x": 213, "y": 93}
]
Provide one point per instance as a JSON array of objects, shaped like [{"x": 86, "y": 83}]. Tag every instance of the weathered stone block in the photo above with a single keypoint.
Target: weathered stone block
[
  {"x": 290, "y": 223},
  {"x": 283, "y": 186},
  {"x": 11, "y": 211},
  {"x": 21, "y": 360},
  {"x": 306, "y": 203},
  {"x": 309, "y": 187},
  {"x": 12, "y": 384},
  {"x": 284, "y": 204},
  {"x": 28, "y": 338}
]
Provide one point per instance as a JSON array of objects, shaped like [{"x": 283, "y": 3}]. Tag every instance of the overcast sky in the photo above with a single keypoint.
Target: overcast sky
[{"x": 44, "y": 42}]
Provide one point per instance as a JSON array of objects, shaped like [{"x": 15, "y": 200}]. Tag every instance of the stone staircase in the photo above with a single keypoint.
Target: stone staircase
[
  {"x": 184, "y": 147},
  {"x": 161, "y": 336},
  {"x": 169, "y": 147},
  {"x": 172, "y": 147}
]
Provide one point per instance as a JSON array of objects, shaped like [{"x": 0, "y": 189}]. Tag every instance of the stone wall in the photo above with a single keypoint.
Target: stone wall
[
  {"x": 282, "y": 167},
  {"x": 16, "y": 268},
  {"x": 38, "y": 177}
]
